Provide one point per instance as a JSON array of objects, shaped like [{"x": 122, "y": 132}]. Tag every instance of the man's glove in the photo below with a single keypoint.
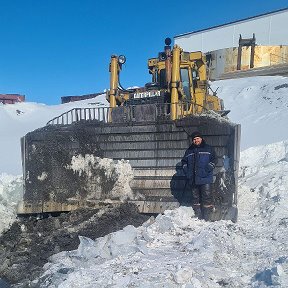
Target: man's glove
[{"x": 210, "y": 166}]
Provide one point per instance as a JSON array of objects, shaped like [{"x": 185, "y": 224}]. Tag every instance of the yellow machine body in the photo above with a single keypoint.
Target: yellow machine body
[{"x": 180, "y": 75}]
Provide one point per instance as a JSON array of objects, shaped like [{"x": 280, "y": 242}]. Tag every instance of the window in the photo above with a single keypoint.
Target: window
[{"x": 185, "y": 82}]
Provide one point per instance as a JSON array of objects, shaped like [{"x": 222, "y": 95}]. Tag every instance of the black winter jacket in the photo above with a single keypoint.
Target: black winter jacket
[{"x": 198, "y": 163}]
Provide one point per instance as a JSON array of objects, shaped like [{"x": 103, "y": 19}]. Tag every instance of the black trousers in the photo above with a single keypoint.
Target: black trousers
[{"x": 202, "y": 195}]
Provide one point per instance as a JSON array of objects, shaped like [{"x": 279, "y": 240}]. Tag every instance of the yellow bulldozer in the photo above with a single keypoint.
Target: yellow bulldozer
[
  {"x": 150, "y": 127},
  {"x": 179, "y": 77}
]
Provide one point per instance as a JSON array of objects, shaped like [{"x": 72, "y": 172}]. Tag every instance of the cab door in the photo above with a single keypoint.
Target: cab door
[{"x": 187, "y": 88}]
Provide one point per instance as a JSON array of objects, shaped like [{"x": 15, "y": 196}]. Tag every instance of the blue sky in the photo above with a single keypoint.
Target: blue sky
[{"x": 52, "y": 48}]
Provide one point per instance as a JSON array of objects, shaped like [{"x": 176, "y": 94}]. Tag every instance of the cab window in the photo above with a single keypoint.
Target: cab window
[{"x": 185, "y": 82}]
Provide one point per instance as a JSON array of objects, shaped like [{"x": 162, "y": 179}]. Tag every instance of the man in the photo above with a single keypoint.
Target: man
[{"x": 198, "y": 164}]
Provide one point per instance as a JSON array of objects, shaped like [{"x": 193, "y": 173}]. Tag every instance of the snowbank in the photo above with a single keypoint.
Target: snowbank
[
  {"x": 10, "y": 193},
  {"x": 177, "y": 250},
  {"x": 264, "y": 171},
  {"x": 20, "y": 118},
  {"x": 259, "y": 104}
]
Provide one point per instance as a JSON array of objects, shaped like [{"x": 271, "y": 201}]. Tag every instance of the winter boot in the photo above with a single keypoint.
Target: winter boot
[
  {"x": 197, "y": 211},
  {"x": 207, "y": 212}
]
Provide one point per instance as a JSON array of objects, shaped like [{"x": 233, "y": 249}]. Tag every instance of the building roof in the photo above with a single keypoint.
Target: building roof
[{"x": 233, "y": 22}]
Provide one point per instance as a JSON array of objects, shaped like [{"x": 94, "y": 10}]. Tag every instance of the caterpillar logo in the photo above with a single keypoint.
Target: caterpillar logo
[{"x": 146, "y": 94}]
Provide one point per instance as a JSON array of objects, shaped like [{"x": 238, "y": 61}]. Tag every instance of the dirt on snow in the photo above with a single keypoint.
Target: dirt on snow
[{"x": 29, "y": 242}]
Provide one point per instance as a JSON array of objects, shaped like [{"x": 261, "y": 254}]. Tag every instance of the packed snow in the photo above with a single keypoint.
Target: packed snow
[
  {"x": 11, "y": 188},
  {"x": 175, "y": 249},
  {"x": 260, "y": 104},
  {"x": 120, "y": 173}
]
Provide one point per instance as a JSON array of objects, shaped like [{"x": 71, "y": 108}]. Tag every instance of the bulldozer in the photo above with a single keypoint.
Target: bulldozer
[{"x": 148, "y": 126}]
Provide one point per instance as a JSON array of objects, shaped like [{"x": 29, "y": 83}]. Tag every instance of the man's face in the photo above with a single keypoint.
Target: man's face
[{"x": 197, "y": 141}]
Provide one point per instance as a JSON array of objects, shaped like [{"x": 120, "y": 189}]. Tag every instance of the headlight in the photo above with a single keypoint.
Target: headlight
[
  {"x": 121, "y": 59},
  {"x": 162, "y": 56}
]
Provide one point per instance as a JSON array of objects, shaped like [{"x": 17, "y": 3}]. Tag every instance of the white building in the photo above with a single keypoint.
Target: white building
[
  {"x": 268, "y": 55},
  {"x": 270, "y": 29}
]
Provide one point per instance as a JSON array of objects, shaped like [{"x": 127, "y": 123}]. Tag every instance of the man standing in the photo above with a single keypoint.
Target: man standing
[{"x": 198, "y": 164}]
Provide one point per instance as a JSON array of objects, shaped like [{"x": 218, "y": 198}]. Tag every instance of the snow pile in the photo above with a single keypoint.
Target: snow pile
[
  {"x": 259, "y": 104},
  {"x": 10, "y": 193},
  {"x": 119, "y": 173},
  {"x": 177, "y": 250},
  {"x": 20, "y": 118},
  {"x": 264, "y": 169},
  {"x": 264, "y": 200}
]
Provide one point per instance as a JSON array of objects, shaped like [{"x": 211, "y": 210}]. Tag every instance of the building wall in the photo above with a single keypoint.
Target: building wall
[
  {"x": 270, "y": 29},
  {"x": 225, "y": 60}
]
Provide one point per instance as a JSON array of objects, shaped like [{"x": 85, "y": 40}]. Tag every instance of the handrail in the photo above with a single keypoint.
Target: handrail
[
  {"x": 81, "y": 114},
  {"x": 183, "y": 108}
]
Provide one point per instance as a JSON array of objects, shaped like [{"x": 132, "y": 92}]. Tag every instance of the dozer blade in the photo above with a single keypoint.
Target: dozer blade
[{"x": 154, "y": 149}]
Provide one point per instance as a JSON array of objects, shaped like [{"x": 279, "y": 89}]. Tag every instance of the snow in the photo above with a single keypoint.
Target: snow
[
  {"x": 120, "y": 173},
  {"x": 175, "y": 249},
  {"x": 20, "y": 118},
  {"x": 10, "y": 194},
  {"x": 260, "y": 104}
]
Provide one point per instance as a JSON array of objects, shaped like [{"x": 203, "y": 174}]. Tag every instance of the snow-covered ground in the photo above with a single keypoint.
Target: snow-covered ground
[
  {"x": 260, "y": 104},
  {"x": 175, "y": 250}
]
